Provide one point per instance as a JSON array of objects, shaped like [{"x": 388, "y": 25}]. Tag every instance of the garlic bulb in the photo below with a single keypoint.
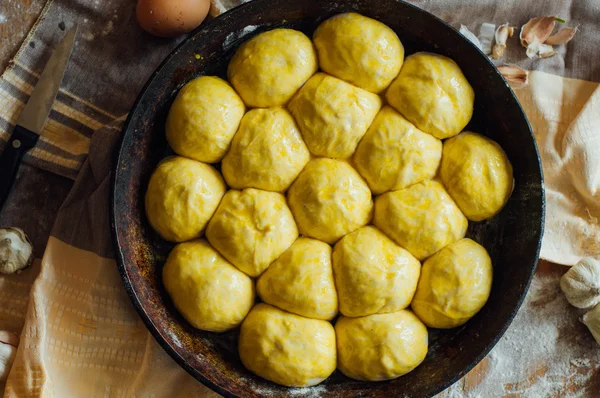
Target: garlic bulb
[
  {"x": 591, "y": 319},
  {"x": 16, "y": 250},
  {"x": 8, "y": 350},
  {"x": 581, "y": 284}
]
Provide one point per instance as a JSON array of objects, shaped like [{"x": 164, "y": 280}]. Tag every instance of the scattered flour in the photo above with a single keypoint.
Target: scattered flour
[
  {"x": 546, "y": 352},
  {"x": 308, "y": 392},
  {"x": 233, "y": 36},
  {"x": 3, "y": 18}
]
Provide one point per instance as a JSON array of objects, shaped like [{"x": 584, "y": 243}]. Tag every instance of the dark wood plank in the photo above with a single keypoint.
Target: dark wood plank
[{"x": 16, "y": 19}]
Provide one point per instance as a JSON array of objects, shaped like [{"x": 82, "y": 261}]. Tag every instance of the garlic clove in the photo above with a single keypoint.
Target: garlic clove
[
  {"x": 8, "y": 351},
  {"x": 470, "y": 36},
  {"x": 563, "y": 36},
  {"x": 581, "y": 283},
  {"x": 538, "y": 49},
  {"x": 502, "y": 34},
  {"x": 16, "y": 250},
  {"x": 546, "y": 51},
  {"x": 591, "y": 319},
  {"x": 498, "y": 50},
  {"x": 537, "y": 28},
  {"x": 515, "y": 76}
]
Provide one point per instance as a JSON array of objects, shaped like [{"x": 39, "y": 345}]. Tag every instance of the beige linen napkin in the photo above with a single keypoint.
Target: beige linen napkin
[
  {"x": 80, "y": 335},
  {"x": 565, "y": 116}
]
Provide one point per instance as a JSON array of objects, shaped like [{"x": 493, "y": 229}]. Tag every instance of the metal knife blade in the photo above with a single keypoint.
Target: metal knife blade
[{"x": 36, "y": 111}]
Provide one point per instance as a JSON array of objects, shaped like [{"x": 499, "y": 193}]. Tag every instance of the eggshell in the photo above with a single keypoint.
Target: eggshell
[{"x": 170, "y": 18}]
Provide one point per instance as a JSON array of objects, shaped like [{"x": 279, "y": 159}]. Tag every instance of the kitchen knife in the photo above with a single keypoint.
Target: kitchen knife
[{"x": 33, "y": 117}]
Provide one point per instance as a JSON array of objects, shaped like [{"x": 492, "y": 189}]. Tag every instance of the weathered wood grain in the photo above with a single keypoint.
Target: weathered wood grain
[{"x": 16, "y": 19}]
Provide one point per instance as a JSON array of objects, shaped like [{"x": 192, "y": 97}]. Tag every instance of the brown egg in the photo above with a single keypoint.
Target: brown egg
[{"x": 170, "y": 18}]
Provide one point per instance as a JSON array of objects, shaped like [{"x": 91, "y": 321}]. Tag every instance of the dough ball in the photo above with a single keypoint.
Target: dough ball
[
  {"x": 380, "y": 346},
  {"x": 251, "y": 228},
  {"x": 207, "y": 290},
  {"x": 455, "y": 284},
  {"x": 329, "y": 199},
  {"x": 203, "y": 119},
  {"x": 267, "y": 152},
  {"x": 301, "y": 281},
  {"x": 395, "y": 154},
  {"x": 269, "y": 68},
  {"x": 432, "y": 92},
  {"x": 182, "y": 196},
  {"x": 333, "y": 115},
  {"x": 477, "y": 174},
  {"x": 359, "y": 50},
  {"x": 373, "y": 275},
  {"x": 422, "y": 218},
  {"x": 286, "y": 348}
]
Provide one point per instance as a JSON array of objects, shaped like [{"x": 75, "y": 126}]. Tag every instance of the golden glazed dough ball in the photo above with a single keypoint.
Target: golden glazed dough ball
[
  {"x": 333, "y": 115},
  {"x": 380, "y": 346},
  {"x": 422, "y": 218},
  {"x": 251, "y": 228},
  {"x": 455, "y": 284},
  {"x": 477, "y": 174},
  {"x": 286, "y": 348},
  {"x": 395, "y": 154},
  {"x": 209, "y": 292},
  {"x": 203, "y": 119},
  {"x": 266, "y": 153},
  {"x": 373, "y": 275},
  {"x": 359, "y": 50},
  {"x": 301, "y": 281},
  {"x": 269, "y": 68},
  {"x": 432, "y": 92},
  {"x": 182, "y": 196},
  {"x": 329, "y": 199}
]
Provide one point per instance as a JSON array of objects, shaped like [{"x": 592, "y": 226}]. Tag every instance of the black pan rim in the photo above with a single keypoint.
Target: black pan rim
[{"x": 121, "y": 260}]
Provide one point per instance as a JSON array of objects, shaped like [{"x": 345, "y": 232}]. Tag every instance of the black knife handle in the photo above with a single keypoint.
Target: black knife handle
[{"x": 19, "y": 142}]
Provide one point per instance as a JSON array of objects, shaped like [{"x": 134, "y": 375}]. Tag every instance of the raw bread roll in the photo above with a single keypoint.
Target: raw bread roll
[
  {"x": 359, "y": 50},
  {"x": 333, "y": 115},
  {"x": 209, "y": 292},
  {"x": 329, "y": 199},
  {"x": 477, "y": 174},
  {"x": 286, "y": 348},
  {"x": 373, "y": 275},
  {"x": 422, "y": 218},
  {"x": 269, "y": 68},
  {"x": 203, "y": 119},
  {"x": 182, "y": 196},
  {"x": 432, "y": 92},
  {"x": 394, "y": 154},
  {"x": 381, "y": 346},
  {"x": 301, "y": 281},
  {"x": 455, "y": 283},
  {"x": 251, "y": 228},
  {"x": 266, "y": 153}
]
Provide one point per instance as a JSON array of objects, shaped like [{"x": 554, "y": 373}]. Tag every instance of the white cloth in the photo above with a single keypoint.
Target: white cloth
[{"x": 564, "y": 114}]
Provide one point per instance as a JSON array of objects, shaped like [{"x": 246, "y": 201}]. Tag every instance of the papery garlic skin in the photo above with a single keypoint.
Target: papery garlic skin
[
  {"x": 16, "y": 250},
  {"x": 591, "y": 319},
  {"x": 470, "y": 36},
  {"x": 581, "y": 284},
  {"x": 515, "y": 76},
  {"x": 486, "y": 37}
]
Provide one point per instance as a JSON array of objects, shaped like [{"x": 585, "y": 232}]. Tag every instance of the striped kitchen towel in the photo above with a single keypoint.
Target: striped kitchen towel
[{"x": 111, "y": 61}]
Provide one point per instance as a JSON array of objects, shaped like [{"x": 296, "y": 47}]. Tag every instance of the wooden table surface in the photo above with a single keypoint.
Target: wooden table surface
[{"x": 16, "y": 19}]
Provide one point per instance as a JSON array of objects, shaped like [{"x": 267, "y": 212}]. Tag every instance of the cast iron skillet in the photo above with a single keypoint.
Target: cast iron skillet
[{"x": 512, "y": 237}]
